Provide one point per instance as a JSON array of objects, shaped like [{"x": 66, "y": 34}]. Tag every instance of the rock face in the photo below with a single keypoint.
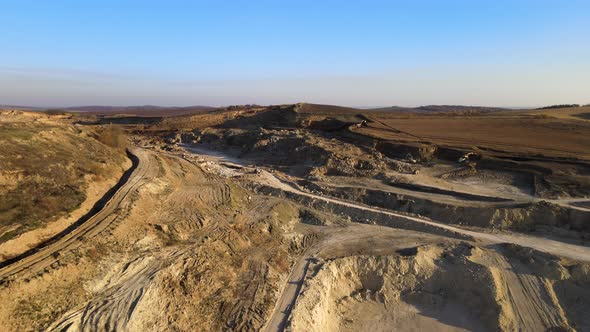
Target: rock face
[
  {"x": 526, "y": 216},
  {"x": 298, "y": 149},
  {"x": 422, "y": 152},
  {"x": 172, "y": 138}
]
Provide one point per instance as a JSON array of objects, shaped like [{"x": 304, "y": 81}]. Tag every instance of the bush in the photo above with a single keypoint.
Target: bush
[
  {"x": 56, "y": 112},
  {"x": 113, "y": 136},
  {"x": 542, "y": 116},
  {"x": 558, "y": 106}
]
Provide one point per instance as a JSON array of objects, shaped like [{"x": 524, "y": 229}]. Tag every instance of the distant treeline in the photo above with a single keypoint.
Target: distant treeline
[
  {"x": 239, "y": 107},
  {"x": 559, "y": 106},
  {"x": 55, "y": 112}
]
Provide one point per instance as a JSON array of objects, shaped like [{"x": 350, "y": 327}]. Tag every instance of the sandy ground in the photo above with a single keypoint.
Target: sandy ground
[{"x": 451, "y": 288}]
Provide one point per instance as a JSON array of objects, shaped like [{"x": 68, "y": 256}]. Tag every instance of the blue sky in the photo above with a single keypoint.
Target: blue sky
[{"x": 361, "y": 53}]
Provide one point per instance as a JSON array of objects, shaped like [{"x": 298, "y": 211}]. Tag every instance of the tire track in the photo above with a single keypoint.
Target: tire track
[
  {"x": 530, "y": 299},
  {"x": 113, "y": 309}
]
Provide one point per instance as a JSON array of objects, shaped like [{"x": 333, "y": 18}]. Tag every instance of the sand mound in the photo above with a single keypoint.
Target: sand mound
[{"x": 434, "y": 288}]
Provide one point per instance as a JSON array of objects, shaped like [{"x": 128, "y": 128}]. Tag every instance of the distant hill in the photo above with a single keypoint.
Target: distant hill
[
  {"x": 146, "y": 110},
  {"x": 167, "y": 111},
  {"x": 22, "y": 108},
  {"x": 441, "y": 109},
  {"x": 332, "y": 109},
  {"x": 325, "y": 109}
]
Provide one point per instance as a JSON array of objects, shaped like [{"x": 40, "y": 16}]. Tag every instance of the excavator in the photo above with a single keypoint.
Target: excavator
[{"x": 470, "y": 159}]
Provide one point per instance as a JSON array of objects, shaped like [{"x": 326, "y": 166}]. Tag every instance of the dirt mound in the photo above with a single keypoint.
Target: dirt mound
[
  {"x": 273, "y": 116},
  {"x": 305, "y": 151}
]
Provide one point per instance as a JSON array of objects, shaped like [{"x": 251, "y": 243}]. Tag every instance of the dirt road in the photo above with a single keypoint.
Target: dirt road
[
  {"x": 41, "y": 258},
  {"x": 291, "y": 289}
]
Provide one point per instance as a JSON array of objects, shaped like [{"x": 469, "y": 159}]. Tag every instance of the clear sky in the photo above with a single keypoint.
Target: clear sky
[{"x": 357, "y": 53}]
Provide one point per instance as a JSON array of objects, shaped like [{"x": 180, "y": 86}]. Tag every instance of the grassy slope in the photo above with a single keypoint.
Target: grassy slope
[{"x": 44, "y": 171}]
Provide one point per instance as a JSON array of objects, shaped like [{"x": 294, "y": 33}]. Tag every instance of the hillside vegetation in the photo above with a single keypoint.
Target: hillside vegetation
[{"x": 46, "y": 166}]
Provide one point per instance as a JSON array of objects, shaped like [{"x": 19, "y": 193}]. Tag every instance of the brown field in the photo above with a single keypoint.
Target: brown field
[{"x": 525, "y": 133}]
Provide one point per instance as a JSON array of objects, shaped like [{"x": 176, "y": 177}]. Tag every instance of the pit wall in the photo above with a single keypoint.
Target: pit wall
[
  {"x": 524, "y": 216},
  {"x": 357, "y": 214}
]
